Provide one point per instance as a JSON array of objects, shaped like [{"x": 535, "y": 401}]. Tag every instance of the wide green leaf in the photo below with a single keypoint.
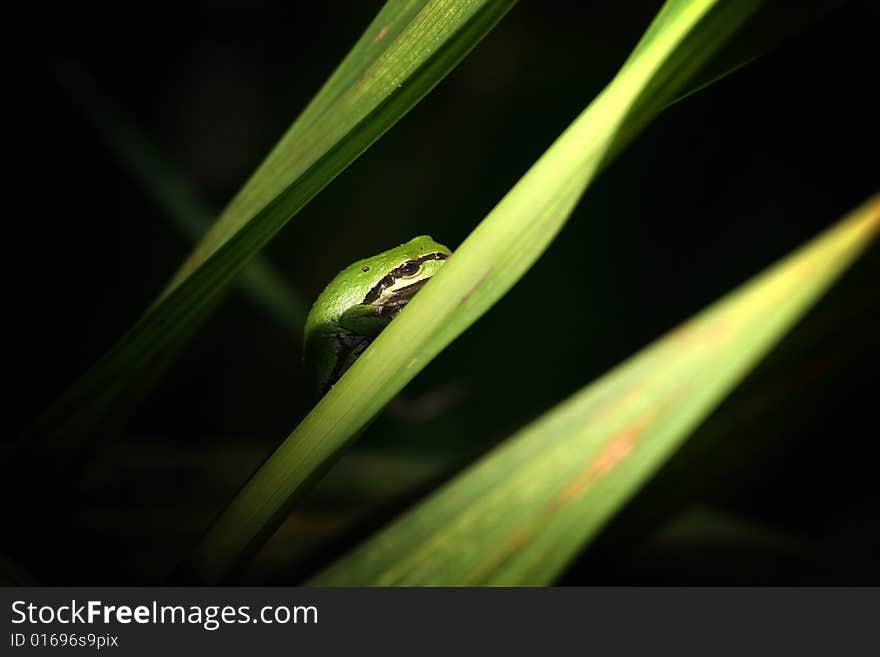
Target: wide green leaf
[
  {"x": 519, "y": 515},
  {"x": 684, "y": 35}
]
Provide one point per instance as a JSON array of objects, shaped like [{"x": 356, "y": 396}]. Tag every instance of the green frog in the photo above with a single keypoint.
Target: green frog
[{"x": 361, "y": 301}]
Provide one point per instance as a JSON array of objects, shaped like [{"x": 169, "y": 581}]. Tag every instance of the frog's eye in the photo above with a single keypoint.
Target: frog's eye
[{"x": 409, "y": 268}]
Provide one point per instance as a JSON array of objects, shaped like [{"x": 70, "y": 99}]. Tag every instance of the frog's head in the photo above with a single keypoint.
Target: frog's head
[
  {"x": 404, "y": 270},
  {"x": 361, "y": 300}
]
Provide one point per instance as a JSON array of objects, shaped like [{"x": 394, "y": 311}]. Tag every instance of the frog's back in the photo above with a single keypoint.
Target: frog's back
[
  {"x": 322, "y": 324},
  {"x": 343, "y": 292}
]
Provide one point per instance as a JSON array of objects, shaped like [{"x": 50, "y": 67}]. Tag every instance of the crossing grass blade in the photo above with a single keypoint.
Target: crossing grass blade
[
  {"x": 520, "y": 514},
  {"x": 408, "y": 48},
  {"x": 174, "y": 197},
  {"x": 684, "y": 35}
]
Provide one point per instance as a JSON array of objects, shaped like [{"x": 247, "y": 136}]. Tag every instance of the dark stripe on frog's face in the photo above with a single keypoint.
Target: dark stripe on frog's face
[{"x": 396, "y": 274}]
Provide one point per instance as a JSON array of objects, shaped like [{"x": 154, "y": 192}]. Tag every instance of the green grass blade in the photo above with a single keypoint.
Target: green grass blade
[
  {"x": 520, "y": 514},
  {"x": 405, "y": 52},
  {"x": 490, "y": 261},
  {"x": 178, "y": 202},
  {"x": 407, "y": 49}
]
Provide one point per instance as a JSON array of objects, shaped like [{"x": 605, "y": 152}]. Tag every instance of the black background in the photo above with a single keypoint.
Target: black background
[{"x": 779, "y": 486}]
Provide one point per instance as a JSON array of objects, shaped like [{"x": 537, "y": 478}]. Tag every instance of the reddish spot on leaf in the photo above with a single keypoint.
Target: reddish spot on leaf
[
  {"x": 381, "y": 34},
  {"x": 486, "y": 568},
  {"x": 362, "y": 79},
  {"x": 474, "y": 287},
  {"x": 613, "y": 453}
]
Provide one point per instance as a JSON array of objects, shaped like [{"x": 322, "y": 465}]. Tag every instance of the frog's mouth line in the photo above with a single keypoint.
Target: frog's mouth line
[
  {"x": 397, "y": 299},
  {"x": 354, "y": 345}
]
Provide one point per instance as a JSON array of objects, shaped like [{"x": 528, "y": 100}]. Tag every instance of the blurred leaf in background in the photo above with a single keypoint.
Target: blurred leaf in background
[{"x": 180, "y": 204}]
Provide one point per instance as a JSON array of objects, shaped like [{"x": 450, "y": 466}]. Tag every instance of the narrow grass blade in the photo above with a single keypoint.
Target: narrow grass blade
[
  {"x": 409, "y": 48},
  {"x": 177, "y": 200},
  {"x": 490, "y": 261},
  {"x": 520, "y": 514}
]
